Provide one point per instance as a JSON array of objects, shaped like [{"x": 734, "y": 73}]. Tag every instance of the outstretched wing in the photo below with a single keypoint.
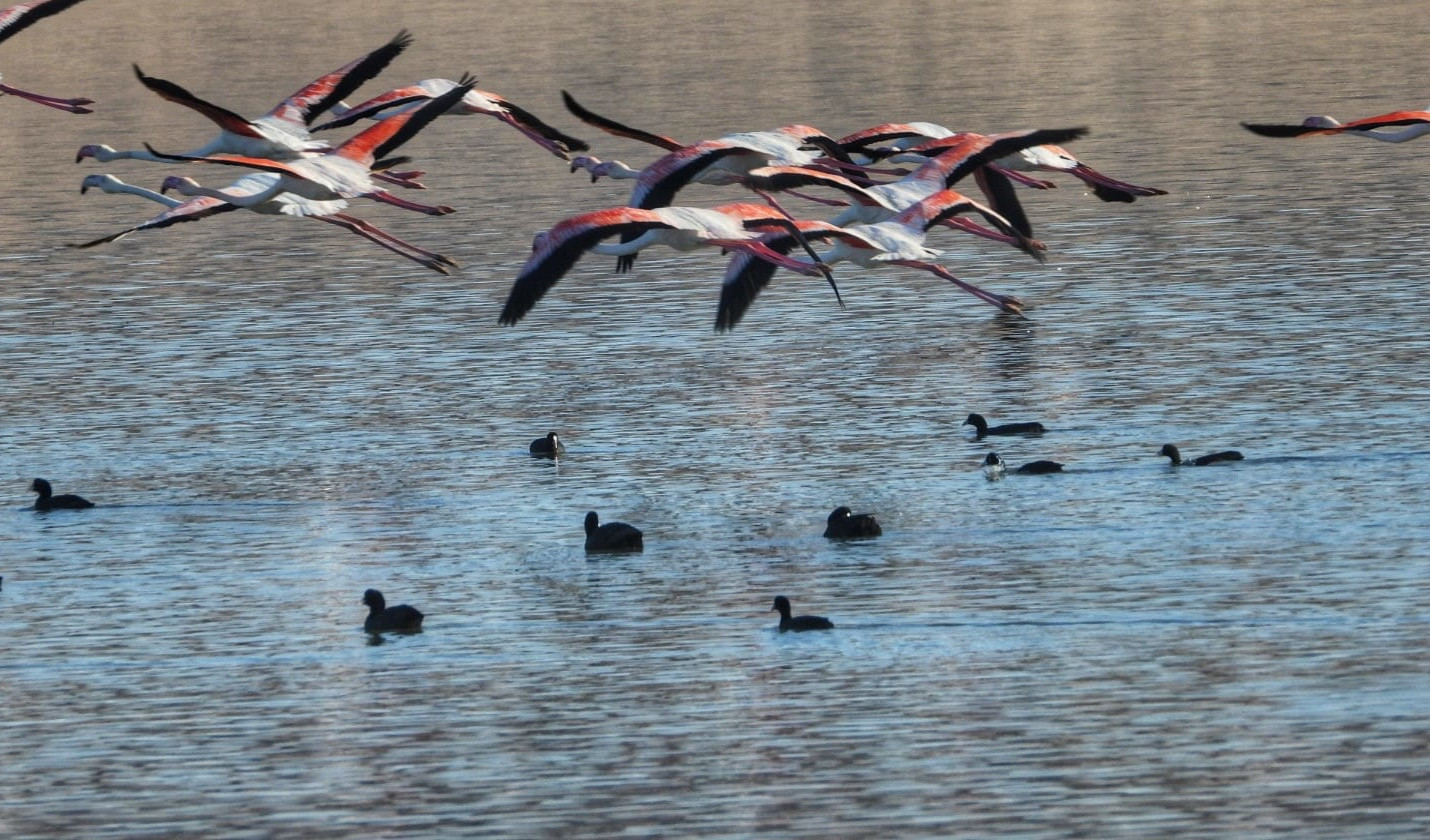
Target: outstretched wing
[
  {"x": 190, "y": 211},
  {"x": 224, "y": 118},
  {"x": 325, "y": 92},
  {"x": 610, "y": 126},
  {"x": 14, "y": 19}
]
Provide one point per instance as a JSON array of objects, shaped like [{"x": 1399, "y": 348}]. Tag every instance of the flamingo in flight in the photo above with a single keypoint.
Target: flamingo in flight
[
  {"x": 897, "y": 241},
  {"x": 281, "y": 134},
  {"x": 243, "y": 193},
  {"x": 1417, "y": 124},
  {"x": 734, "y": 227},
  {"x": 475, "y": 102},
  {"x": 927, "y": 139},
  {"x": 347, "y": 170},
  {"x": 16, "y": 18}
]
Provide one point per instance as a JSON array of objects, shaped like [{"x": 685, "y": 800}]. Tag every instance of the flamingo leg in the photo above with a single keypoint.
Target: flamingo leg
[
  {"x": 351, "y": 223},
  {"x": 388, "y": 198},
  {"x": 396, "y": 240},
  {"x": 1007, "y": 303},
  {"x": 407, "y": 180},
  {"x": 74, "y": 106}
]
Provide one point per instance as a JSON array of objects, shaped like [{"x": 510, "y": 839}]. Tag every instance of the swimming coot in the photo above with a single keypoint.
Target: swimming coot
[
  {"x": 982, "y": 429},
  {"x": 1214, "y": 458},
  {"x": 844, "y": 524},
  {"x": 547, "y": 447},
  {"x": 993, "y": 465},
  {"x": 384, "y": 619},
  {"x": 49, "y": 501},
  {"x": 799, "y": 622},
  {"x": 611, "y": 537}
]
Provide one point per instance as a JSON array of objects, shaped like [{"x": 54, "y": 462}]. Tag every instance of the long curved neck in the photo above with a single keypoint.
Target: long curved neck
[{"x": 116, "y": 188}]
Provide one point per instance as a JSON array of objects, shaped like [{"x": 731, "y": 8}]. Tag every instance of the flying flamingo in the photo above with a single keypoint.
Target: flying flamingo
[
  {"x": 242, "y": 194},
  {"x": 16, "y": 18},
  {"x": 347, "y": 170},
  {"x": 1417, "y": 124},
  {"x": 734, "y": 227},
  {"x": 928, "y": 139},
  {"x": 897, "y": 241},
  {"x": 282, "y": 133},
  {"x": 475, "y": 102}
]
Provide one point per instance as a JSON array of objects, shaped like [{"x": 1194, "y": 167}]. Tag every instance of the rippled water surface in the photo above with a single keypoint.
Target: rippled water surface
[{"x": 274, "y": 415}]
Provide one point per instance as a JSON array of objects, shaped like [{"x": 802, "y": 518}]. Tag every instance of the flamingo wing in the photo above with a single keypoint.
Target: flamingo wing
[
  {"x": 610, "y": 126},
  {"x": 190, "y": 211},
  {"x": 564, "y": 245},
  {"x": 326, "y": 91},
  {"x": 21, "y": 15},
  {"x": 660, "y": 181},
  {"x": 397, "y": 98},
  {"x": 226, "y": 119},
  {"x": 387, "y": 135},
  {"x": 263, "y": 164},
  {"x": 527, "y": 121},
  {"x": 747, "y": 274}
]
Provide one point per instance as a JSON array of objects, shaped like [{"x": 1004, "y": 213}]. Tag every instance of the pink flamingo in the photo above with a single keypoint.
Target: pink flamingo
[
  {"x": 475, "y": 102},
  {"x": 347, "y": 171},
  {"x": 897, "y": 241},
  {"x": 243, "y": 194},
  {"x": 1417, "y": 124},
  {"x": 734, "y": 227},
  {"x": 14, "y": 19},
  {"x": 282, "y": 133}
]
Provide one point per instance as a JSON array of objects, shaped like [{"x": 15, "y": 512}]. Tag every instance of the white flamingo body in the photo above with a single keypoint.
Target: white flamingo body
[{"x": 15, "y": 18}]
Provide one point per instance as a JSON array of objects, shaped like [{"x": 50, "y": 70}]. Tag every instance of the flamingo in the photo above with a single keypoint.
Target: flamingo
[
  {"x": 475, "y": 102},
  {"x": 240, "y": 194},
  {"x": 897, "y": 241},
  {"x": 282, "y": 133},
  {"x": 347, "y": 170},
  {"x": 1417, "y": 124},
  {"x": 880, "y": 202},
  {"x": 734, "y": 227},
  {"x": 14, "y": 19},
  {"x": 923, "y": 138}
]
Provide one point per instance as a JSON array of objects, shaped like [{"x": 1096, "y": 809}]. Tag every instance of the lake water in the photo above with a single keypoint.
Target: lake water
[{"x": 274, "y": 415}]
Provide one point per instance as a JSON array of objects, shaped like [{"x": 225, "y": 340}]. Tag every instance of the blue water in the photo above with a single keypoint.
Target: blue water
[{"x": 273, "y": 416}]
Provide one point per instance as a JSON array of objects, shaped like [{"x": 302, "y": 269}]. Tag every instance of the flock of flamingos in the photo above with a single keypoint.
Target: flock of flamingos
[{"x": 894, "y": 182}]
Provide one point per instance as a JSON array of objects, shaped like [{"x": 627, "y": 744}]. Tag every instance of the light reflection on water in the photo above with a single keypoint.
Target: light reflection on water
[{"x": 274, "y": 419}]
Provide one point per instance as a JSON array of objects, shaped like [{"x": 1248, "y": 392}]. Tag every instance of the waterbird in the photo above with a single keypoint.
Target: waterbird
[
  {"x": 547, "y": 447},
  {"x": 1214, "y": 458},
  {"x": 798, "y": 623},
  {"x": 16, "y": 18},
  {"x": 730, "y": 226},
  {"x": 981, "y": 428},
  {"x": 994, "y": 466},
  {"x": 611, "y": 537},
  {"x": 282, "y": 133},
  {"x": 346, "y": 171},
  {"x": 48, "y": 501},
  {"x": 246, "y": 193},
  {"x": 474, "y": 102},
  {"x": 1416, "y": 124},
  {"x": 384, "y": 619},
  {"x": 898, "y": 241},
  {"x": 845, "y": 524}
]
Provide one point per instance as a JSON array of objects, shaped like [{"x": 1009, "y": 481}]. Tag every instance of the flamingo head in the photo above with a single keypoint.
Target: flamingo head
[
  {"x": 593, "y": 165},
  {"x": 179, "y": 183},
  {"x": 93, "y": 150},
  {"x": 97, "y": 181}
]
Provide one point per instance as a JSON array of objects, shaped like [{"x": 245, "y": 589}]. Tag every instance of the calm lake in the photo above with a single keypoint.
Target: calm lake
[{"x": 273, "y": 415}]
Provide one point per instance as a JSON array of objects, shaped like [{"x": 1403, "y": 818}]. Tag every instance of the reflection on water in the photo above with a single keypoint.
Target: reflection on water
[{"x": 273, "y": 418}]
